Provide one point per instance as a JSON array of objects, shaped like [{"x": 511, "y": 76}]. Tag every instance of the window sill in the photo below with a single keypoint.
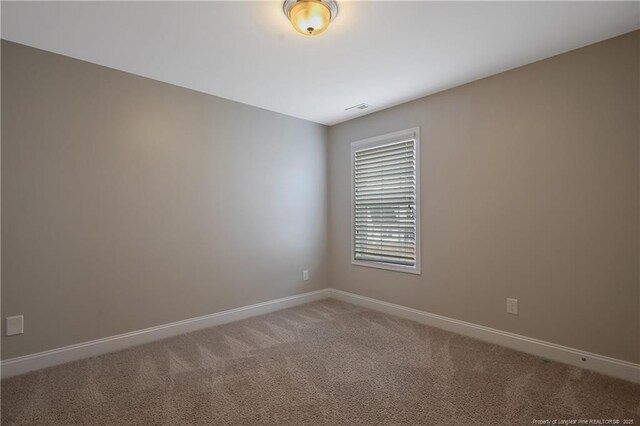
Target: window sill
[{"x": 388, "y": 266}]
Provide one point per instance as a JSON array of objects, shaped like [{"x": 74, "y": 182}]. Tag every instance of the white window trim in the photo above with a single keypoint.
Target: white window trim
[{"x": 413, "y": 133}]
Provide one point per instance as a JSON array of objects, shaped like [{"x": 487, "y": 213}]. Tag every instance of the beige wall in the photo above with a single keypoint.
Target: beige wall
[
  {"x": 529, "y": 189},
  {"x": 130, "y": 203}
]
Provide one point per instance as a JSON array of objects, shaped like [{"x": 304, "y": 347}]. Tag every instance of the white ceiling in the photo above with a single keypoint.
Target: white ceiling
[{"x": 380, "y": 53}]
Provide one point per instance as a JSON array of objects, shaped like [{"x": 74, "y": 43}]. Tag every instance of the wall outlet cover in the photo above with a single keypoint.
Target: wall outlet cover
[
  {"x": 14, "y": 325},
  {"x": 512, "y": 306}
]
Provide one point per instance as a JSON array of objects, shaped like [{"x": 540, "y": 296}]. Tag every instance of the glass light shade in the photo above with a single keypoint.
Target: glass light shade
[{"x": 310, "y": 17}]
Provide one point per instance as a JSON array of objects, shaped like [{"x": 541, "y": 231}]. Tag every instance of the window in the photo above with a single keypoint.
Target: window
[{"x": 385, "y": 202}]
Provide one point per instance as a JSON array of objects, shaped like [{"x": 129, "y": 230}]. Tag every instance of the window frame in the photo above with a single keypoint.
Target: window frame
[{"x": 389, "y": 138}]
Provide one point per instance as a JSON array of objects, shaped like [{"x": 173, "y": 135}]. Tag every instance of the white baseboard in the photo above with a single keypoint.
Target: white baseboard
[
  {"x": 598, "y": 363},
  {"x": 24, "y": 364},
  {"x": 601, "y": 364}
]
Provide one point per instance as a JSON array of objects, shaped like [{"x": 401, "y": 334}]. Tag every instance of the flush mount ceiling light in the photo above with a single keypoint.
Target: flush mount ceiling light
[{"x": 310, "y": 17}]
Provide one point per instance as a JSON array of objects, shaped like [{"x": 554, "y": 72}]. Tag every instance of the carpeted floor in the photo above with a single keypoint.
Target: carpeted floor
[{"x": 326, "y": 362}]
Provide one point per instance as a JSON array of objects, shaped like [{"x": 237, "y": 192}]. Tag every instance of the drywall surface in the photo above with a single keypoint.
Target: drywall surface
[
  {"x": 529, "y": 190},
  {"x": 130, "y": 203}
]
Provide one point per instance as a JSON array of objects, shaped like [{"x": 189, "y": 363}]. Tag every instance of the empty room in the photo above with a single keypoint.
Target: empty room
[{"x": 320, "y": 212}]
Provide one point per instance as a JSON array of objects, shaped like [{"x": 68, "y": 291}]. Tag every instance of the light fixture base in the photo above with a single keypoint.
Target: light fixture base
[{"x": 331, "y": 4}]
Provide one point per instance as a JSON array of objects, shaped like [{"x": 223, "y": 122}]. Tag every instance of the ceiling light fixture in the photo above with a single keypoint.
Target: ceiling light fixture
[{"x": 310, "y": 17}]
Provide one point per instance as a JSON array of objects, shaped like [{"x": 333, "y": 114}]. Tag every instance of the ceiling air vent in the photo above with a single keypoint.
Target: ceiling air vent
[{"x": 359, "y": 106}]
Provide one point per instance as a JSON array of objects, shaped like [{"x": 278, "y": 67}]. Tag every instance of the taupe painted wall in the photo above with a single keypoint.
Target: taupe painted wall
[
  {"x": 130, "y": 203},
  {"x": 529, "y": 189}
]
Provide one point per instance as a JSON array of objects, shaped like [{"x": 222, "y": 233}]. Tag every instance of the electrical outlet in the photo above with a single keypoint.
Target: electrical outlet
[
  {"x": 14, "y": 325},
  {"x": 512, "y": 306},
  {"x": 305, "y": 275}
]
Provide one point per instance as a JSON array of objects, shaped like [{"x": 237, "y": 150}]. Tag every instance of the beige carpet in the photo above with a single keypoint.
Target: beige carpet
[{"x": 323, "y": 363}]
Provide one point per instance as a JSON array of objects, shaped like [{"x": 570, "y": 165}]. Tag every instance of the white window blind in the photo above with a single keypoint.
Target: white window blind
[{"x": 385, "y": 197}]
